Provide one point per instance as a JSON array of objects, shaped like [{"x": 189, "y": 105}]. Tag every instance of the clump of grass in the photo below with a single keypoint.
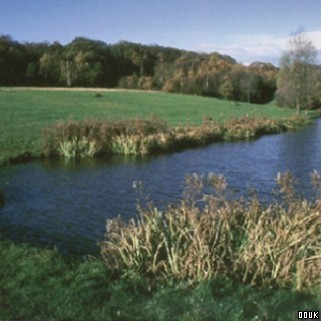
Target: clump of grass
[
  {"x": 250, "y": 127},
  {"x": 296, "y": 121},
  {"x": 78, "y": 148},
  {"x": 283, "y": 243},
  {"x": 79, "y": 139},
  {"x": 276, "y": 246},
  {"x": 130, "y": 145},
  {"x": 183, "y": 242},
  {"x": 193, "y": 136}
]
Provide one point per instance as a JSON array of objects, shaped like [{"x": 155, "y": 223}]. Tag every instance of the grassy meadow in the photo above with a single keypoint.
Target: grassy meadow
[
  {"x": 231, "y": 260},
  {"x": 26, "y": 112},
  {"x": 38, "y": 285}
]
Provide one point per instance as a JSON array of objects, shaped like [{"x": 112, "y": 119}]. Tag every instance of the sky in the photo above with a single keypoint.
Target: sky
[{"x": 247, "y": 30}]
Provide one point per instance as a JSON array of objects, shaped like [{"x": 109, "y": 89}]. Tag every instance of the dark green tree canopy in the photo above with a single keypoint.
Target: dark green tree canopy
[{"x": 92, "y": 63}]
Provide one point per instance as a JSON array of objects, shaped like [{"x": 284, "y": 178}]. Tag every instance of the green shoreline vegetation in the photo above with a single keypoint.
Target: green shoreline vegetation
[
  {"x": 80, "y": 139},
  {"x": 26, "y": 113},
  {"x": 229, "y": 259},
  {"x": 38, "y": 284}
]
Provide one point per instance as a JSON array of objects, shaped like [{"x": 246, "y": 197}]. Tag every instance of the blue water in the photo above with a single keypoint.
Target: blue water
[{"x": 65, "y": 205}]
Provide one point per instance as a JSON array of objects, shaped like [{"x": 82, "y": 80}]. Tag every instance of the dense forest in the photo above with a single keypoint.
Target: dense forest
[{"x": 90, "y": 63}]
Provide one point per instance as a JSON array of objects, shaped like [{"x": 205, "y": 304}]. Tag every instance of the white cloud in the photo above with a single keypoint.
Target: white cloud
[
  {"x": 315, "y": 37},
  {"x": 247, "y": 49}
]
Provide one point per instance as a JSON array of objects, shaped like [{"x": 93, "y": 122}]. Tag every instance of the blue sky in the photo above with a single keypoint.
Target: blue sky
[{"x": 247, "y": 30}]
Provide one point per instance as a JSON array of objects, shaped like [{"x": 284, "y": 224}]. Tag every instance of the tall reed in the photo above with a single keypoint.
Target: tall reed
[
  {"x": 211, "y": 233},
  {"x": 78, "y": 139}
]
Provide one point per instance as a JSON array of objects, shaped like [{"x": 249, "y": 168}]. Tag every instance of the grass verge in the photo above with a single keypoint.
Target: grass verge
[{"x": 37, "y": 284}]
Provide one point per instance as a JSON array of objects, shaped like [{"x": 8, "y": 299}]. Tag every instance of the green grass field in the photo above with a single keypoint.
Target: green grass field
[
  {"x": 25, "y": 112},
  {"x": 42, "y": 285}
]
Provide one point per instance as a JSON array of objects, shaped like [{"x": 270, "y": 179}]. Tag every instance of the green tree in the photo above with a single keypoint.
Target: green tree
[
  {"x": 296, "y": 68},
  {"x": 13, "y": 62},
  {"x": 226, "y": 88}
]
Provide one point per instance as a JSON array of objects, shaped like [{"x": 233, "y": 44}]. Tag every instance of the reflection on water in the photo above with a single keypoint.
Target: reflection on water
[{"x": 66, "y": 204}]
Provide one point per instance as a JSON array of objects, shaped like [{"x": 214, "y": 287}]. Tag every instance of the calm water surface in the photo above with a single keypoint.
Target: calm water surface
[{"x": 66, "y": 205}]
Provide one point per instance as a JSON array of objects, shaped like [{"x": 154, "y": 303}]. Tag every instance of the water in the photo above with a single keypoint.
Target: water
[{"x": 67, "y": 205}]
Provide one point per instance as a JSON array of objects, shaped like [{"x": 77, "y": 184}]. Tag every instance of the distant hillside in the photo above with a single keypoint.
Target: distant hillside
[{"x": 91, "y": 63}]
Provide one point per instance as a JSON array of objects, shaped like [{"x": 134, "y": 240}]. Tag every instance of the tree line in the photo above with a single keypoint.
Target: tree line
[{"x": 90, "y": 63}]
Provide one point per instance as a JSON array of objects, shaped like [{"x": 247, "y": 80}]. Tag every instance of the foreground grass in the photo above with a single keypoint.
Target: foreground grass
[
  {"x": 38, "y": 284},
  {"x": 24, "y": 113},
  {"x": 265, "y": 259}
]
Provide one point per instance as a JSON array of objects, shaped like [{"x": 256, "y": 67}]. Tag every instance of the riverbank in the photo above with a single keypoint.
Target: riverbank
[
  {"x": 37, "y": 284},
  {"x": 226, "y": 260},
  {"x": 81, "y": 139},
  {"x": 26, "y": 112}
]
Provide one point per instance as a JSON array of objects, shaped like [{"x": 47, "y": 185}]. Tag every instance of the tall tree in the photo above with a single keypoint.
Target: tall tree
[
  {"x": 13, "y": 63},
  {"x": 296, "y": 67}
]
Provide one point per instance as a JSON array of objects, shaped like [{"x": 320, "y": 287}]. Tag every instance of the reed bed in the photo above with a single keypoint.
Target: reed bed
[
  {"x": 79, "y": 139},
  {"x": 90, "y": 138},
  {"x": 211, "y": 233},
  {"x": 246, "y": 127}
]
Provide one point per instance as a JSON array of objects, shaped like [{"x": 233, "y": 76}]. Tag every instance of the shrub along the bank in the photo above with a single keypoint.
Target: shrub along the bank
[
  {"x": 211, "y": 234},
  {"x": 79, "y": 139}
]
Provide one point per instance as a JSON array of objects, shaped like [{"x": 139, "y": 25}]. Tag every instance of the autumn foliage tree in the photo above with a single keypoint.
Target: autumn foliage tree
[{"x": 91, "y": 63}]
